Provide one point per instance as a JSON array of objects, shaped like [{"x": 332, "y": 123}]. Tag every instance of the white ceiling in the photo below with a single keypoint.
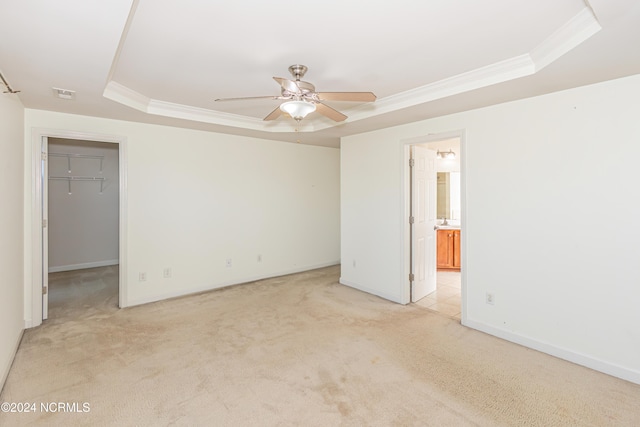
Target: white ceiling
[{"x": 166, "y": 61}]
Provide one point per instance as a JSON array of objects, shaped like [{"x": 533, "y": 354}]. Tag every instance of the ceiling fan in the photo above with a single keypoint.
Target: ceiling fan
[{"x": 303, "y": 99}]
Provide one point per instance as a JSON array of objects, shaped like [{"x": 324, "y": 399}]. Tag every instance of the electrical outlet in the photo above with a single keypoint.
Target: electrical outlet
[
  {"x": 259, "y": 258},
  {"x": 229, "y": 263},
  {"x": 490, "y": 298},
  {"x": 166, "y": 273},
  {"x": 142, "y": 277},
  {"x": 354, "y": 263}
]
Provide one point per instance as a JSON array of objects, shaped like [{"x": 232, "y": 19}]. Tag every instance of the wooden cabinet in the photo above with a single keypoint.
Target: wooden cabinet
[{"x": 448, "y": 251}]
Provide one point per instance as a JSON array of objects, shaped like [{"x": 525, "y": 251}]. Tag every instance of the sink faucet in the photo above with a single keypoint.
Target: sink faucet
[{"x": 444, "y": 221}]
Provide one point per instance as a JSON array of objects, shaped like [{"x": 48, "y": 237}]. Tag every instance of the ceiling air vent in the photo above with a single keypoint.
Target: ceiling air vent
[{"x": 64, "y": 93}]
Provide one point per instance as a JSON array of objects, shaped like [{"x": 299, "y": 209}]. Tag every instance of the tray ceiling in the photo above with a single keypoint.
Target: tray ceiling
[{"x": 162, "y": 61}]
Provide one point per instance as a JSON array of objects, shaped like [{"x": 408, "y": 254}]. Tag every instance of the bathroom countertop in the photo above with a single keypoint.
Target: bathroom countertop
[{"x": 447, "y": 227}]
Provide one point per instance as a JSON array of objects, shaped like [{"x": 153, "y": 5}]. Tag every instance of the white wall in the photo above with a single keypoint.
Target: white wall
[
  {"x": 196, "y": 199},
  {"x": 370, "y": 217},
  {"x": 551, "y": 230},
  {"x": 11, "y": 228},
  {"x": 83, "y": 225}
]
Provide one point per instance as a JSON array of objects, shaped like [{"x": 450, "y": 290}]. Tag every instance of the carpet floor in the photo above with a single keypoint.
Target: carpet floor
[{"x": 298, "y": 350}]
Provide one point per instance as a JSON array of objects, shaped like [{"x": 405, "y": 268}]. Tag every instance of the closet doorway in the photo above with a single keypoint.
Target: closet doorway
[
  {"x": 82, "y": 210},
  {"x": 37, "y": 290}
]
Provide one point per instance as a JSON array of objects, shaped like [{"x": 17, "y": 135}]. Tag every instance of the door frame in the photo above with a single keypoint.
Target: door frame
[
  {"x": 38, "y": 194},
  {"x": 405, "y": 212}
]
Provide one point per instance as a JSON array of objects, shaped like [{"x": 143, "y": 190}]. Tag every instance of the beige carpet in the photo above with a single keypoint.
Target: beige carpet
[{"x": 300, "y": 350}]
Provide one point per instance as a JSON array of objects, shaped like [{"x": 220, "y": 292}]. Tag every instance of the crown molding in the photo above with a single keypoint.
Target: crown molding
[
  {"x": 125, "y": 96},
  {"x": 129, "y": 97},
  {"x": 573, "y": 33},
  {"x": 498, "y": 72}
]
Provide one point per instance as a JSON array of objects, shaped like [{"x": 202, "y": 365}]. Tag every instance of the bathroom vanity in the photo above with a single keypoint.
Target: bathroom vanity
[{"x": 448, "y": 248}]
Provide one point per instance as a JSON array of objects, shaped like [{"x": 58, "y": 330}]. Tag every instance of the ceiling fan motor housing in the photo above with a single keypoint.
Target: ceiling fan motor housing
[{"x": 298, "y": 71}]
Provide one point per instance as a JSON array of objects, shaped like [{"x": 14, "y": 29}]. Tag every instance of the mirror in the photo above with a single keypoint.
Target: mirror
[{"x": 448, "y": 195}]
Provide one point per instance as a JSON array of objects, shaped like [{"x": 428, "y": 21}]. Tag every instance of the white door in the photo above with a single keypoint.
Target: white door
[
  {"x": 423, "y": 211},
  {"x": 44, "y": 176}
]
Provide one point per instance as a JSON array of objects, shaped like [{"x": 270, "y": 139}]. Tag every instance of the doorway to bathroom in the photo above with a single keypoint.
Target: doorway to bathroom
[{"x": 436, "y": 202}]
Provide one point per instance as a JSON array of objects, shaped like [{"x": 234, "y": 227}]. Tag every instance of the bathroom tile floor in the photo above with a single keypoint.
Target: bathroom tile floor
[{"x": 446, "y": 298}]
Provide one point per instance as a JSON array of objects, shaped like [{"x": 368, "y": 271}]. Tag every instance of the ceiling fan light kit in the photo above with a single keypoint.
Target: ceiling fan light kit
[
  {"x": 298, "y": 109},
  {"x": 302, "y": 98}
]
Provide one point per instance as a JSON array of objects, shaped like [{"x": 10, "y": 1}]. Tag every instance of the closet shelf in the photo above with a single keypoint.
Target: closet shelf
[{"x": 70, "y": 156}]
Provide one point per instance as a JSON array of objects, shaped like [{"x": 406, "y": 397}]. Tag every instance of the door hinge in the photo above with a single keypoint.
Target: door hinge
[
  {"x": 411, "y": 277},
  {"x": 411, "y": 220},
  {"x": 44, "y": 290},
  {"x": 412, "y": 162},
  {"x": 44, "y": 223},
  {"x": 44, "y": 156}
]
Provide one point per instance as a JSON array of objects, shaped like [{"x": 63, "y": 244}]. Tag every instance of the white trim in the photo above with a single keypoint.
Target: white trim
[
  {"x": 464, "y": 236},
  {"x": 33, "y": 294},
  {"x": 573, "y": 33},
  {"x": 123, "y": 38},
  {"x": 209, "y": 287},
  {"x": 33, "y": 291},
  {"x": 509, "y": 69},
  {"x": 129, "y": 97},
  {"x": 83, "y": 266},
  {"x": 123, "y": 167},
  {"x": 6, "y": 369},
  {"x": 559, "y": 352},
  {"x": 125, "y": 96},
  {"x": 393, "y": 298}
]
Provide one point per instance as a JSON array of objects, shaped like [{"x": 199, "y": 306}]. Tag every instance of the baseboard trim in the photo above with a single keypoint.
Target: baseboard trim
[
  {"x": 393, "y": 298},
  {"x": 559, "y": 352},
  {"x": 6, "y": 369},
  {"x": 209, "y": 287},
  {"x": 83, "y": 266}
]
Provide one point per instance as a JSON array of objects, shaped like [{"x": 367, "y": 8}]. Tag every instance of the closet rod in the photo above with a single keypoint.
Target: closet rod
[{"x": 80, "y": 178}]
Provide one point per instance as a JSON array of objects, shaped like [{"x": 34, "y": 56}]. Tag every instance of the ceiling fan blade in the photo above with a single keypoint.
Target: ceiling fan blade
[
  {"x": 296, "y": 87},
  {"x": 249, "y": 97},
  {"x": 274, "y": 114},
  {"x": 347, "y": 96},
  {"x": 287, "y": 84},
  {"x": 327, "y": 111}
]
